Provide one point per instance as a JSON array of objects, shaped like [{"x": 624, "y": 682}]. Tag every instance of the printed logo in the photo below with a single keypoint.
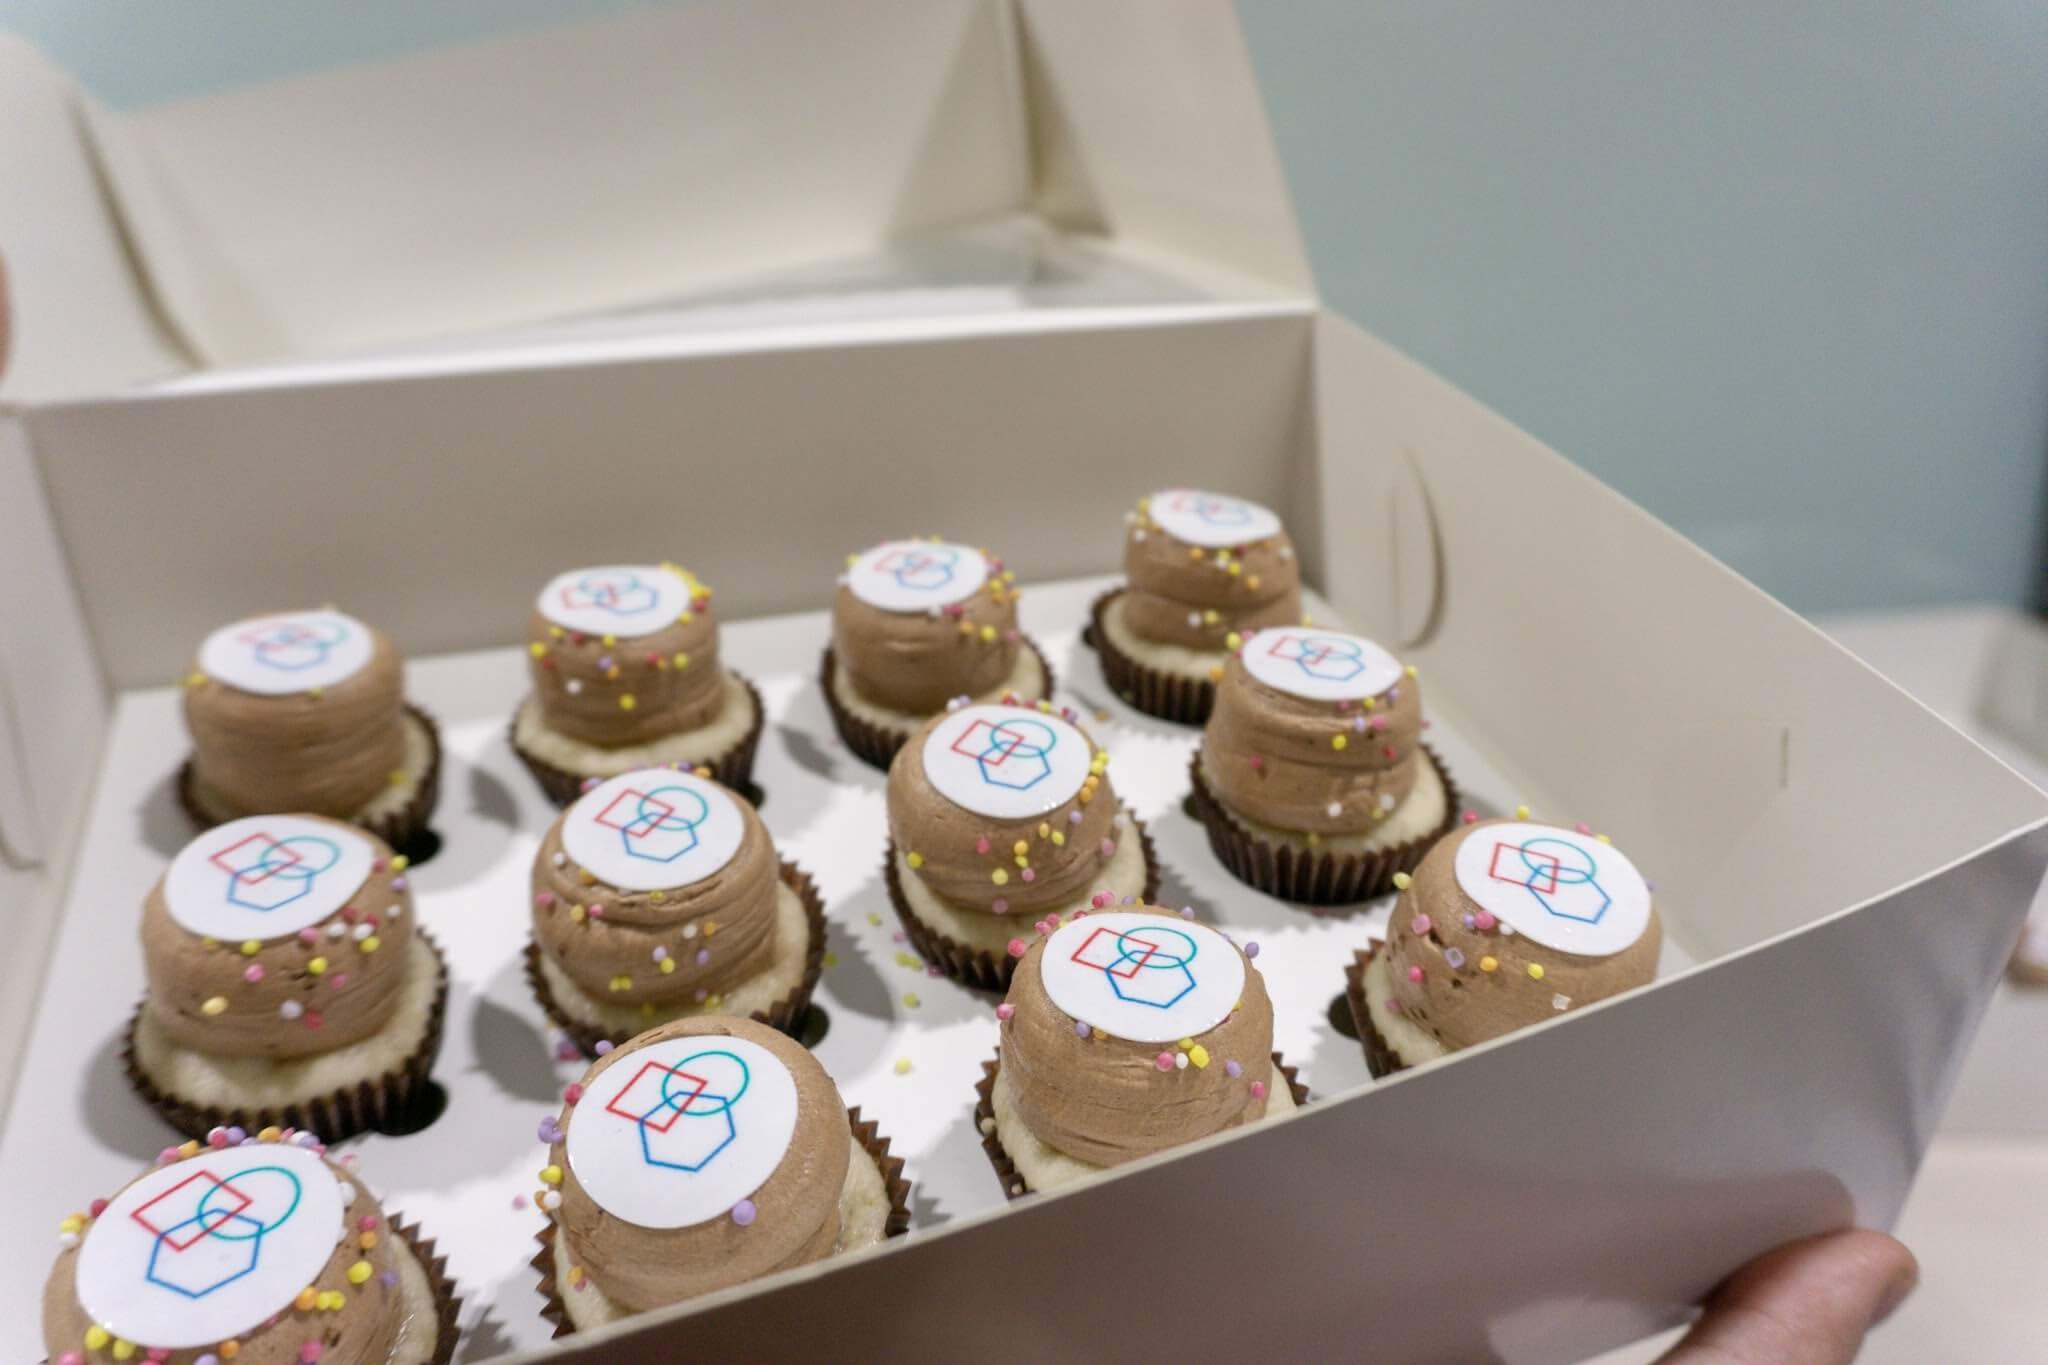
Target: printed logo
[
  {"x": 614, "y": 592},
  {"x": 1561, "y": 877},
  {"x": 659, "y": 825},
  {"x": 1147, "y": 978},
  {"x": 684, "y": 1115},
  {"x": 292, "y": 646},
  {"x": 1009, "y": 753},
  {"x": 920, "y": 568},
  {"x": 1149, "y": 965},
  {"x": 916, "y": 575},
  {"x": 1332, "y": 658},
  {"x": 208, "y": 1232},
  {"x": 266, "y": 873},
  {"x": 1006, "y": 761},
  {"x": 1555, "y": 886}
]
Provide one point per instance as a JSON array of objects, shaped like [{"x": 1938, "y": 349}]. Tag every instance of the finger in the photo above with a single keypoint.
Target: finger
[{"x": 1807, "y": 1303}]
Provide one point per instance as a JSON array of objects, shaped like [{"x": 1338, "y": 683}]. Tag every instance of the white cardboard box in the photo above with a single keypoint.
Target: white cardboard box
[{"x": 752, "y": 285}]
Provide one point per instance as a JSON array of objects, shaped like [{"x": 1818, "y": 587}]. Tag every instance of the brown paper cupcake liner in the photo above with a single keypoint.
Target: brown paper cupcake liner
[
  {"x": 864, "y": 1132},
  {"x": 785, "y": 1015},
  {"x": 734, "y": 767},
  {"x": 384, "y": 1100},
  {"x": 1006, "y": 1170},
  {"x": 1169, "y": 696},
  {"x": 1380, "y": 1057},
  {"x": 401, "y": 828},
  {"x": 1312, "y": 878},
  {"x": 447, "y": 1303},
  {"x": 875, "y": 744},
  {"x": 977, "y": 966}
]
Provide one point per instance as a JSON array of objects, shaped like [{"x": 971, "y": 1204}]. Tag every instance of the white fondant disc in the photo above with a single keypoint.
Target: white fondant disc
[
  {"x": 1321, "y": 665},
  {"x": 679, "y": 1132},
  {"x": 654, "y": 829},
  {"x": 917, "y": 575},
  {"x": 294, "y": 651},
  {"x": 1562, "y": 889},
  {"x": 615, "y": 599},
  {"x": 1148, "y": 978},
  {"x": 210, "y": 1247},
  {"x": 1008, "y": 762},
  {"x": 265, "y": 876},
  {"x": 1214, "y": 520}
]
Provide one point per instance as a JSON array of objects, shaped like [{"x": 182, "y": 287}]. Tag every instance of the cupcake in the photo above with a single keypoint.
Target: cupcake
[
  {"x": 1204, "y": 570},
  {"x": 1312, "y": 779},
  {"x": 306, "y": 711},
  {"x": 917, "y": 624},
  {"x": 1505, "y": 924},
  {"x": 703, "y": 1154},
  {"x": 624, "y": 661},
  {"x": 1126, "y": 1032},
  {"x": 287, "y": 983},
  {"x": 1000, "y": 816},
  {"x": 658, "y": 896},
  {"x": 260, "y": 1250}
]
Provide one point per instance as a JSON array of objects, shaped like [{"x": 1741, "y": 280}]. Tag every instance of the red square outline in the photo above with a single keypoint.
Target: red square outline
[
  {"x": 675, "y": 1112},
  {"x": 269, "y": 869},
  {"x": 204, "y": 1230},
  {"x": 1137, "y": 964},
  {"x": 628, "y": 829},
  {"x": 1556, "y": 866},
  {"x": 1015, "y": 744}
]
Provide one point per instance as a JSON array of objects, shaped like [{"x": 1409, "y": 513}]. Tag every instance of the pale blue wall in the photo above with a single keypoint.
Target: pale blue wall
[{"x": 1777, "y": 270}]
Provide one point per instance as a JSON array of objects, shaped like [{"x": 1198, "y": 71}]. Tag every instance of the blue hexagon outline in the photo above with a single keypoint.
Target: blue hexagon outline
[{"x": 255, "y": 1241}]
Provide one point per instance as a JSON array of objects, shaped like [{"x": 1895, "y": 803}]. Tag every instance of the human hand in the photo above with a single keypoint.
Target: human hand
[{"x": 1807, "y": 1303}]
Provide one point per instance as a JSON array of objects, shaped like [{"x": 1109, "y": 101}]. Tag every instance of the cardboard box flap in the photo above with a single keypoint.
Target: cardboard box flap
[
  {"x": 667, "y": 153},
  {"x": 1613, "y": 682}
]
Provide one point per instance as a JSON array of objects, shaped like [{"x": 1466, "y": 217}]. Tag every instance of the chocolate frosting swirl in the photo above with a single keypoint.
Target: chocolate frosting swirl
[
  {"x": 616, "y": 690},
  {"x": 345, "y": 1000},
  {"x": 959, "y": 853},
  {"x": 328, "y": 751},
  {"x": 917, "y": 661},
  {"x": 716, "y": 932},
  {"x": 796, "y": 1209},
  {"x": 1466, "y": 1004},
  {"x": 1182, "y": 594},
  {"x": 363, "y": 1331},
  {"x": 1277, "y": 758},
  {"x": 1104, "y": 1100}
]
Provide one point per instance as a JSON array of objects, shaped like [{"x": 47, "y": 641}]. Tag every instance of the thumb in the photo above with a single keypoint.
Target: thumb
[{"x": 1807, "y": 1303}]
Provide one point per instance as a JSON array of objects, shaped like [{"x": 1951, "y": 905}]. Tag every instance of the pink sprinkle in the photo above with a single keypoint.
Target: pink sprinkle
[
  {"x": 1108, "y": 848},
  {"x": 1016, "y": 947},
  {"x": 597, "y": 912},
  {"x": 1390, "y": 753},
  {"x": 1583, "y": 828},
  {"x": 216, "y": 1137},
  {"x": 311, "y": 1352},
  {"x": 1030, "y": 874},
  {"x": 339, "y": 979},
  {"x": 96, "y": 1207},
  {"x": 1258, "y": 1090},
  {"x": 1005, "y": 1010},
  {"x": 307, "y": 935},
  {"x": 1257, "y": 762},
  {"x": 566, "y": 1051},
  {"x": 981, "y": 844},
  {"x": 544, "y": 899},
  {"x": 1164, "y": 1061},
  {"x": 999, "y": 905},
  {"x": 1419, "y": 925},
  {"x": 167, "y": 1156},
  {"x": 313, "y": 1019},
  {"x": 366, "y": 1223},
  {"x": 653, "y": 658},
  {"x": 1415, "y": 973},
  {"x": 571, "y": 1093},
  {"x": 1378, "y": 722},
  {"x": 1470, "y": 817},
  {"x": 1393, "y": 1007},
  {"x": 1483, "y": 920},
  {"x": 1100, "y": 899},
  {"x": 71, "y": 1358},
  {"x": 253, "y": 973},
  {"x": 518, "y": 1201}
]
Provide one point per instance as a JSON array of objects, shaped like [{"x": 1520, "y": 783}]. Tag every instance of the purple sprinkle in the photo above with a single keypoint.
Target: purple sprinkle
[
  {"x": 388, "y": 1278},
  {"x": 1455, "y": 957},
  {"x": 398, "y": 883},
  {"x": 1468, "y": 921},
  {"x": 550, "y": 1131},
  {"x": 566, "y": 1051},
  {"x": 703, "y": 956},
  {"x": 1232, "y": 1070},
  {"x": 743, "y": 1212},
  {"x": 1073, "y": 817},
  {"x": 236, "y": 1133},
  {"x": 604, "y": 1045},
  {"x": 1187, "y": 912},
  {"x": 1081, "y": 1028},
  {"x": 1251, "y": 950}
]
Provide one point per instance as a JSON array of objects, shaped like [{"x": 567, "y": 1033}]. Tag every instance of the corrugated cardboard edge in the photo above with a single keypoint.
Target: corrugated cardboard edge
[
  {"x": 785, "y": 1015},
  {"x": 1006, "y": 1171},
  {"x": 865, "y": 1133},
  {"x": 1318, "y": 878},
  {"x": 734, "y": 767},
  {"x": 331, "y": 1117},
  {"x": 1168, "y": 696},
  {"x": 401, "y": 829},
  {"x": 876, "y": 745},
  {"x": 447, "y": 1303},
  {"x": 977, "y": 966},
  {"x": 1380, "y": 1059}
]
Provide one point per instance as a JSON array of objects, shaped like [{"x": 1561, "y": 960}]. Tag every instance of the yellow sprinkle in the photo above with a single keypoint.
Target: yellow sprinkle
[
  {"x": 1194, "y": 552},
  {"x": 123, "y": 1349},
  {"x": 622, "y": 983},
  {"x": 269, "y": 1134},
  {"x": 910, "y": 960},
  {"x": 1236, "y": 568},
  {"x": 914, "y": 858},
  {"x": 1199, "y": 1055},
  {"x": 1216, "y": 673},
  {"x": 250, "y": 947},
  {"x": 367, "y": 1241},
  {"x": 396, "y": 777},
  {"x": 1410, "y": 670},
  {"x": 189, "y": 1147},
  {"x": 831, "y": 959},
  {"x": 874, "y": 918},
  {"x": 194, "y": 679},
  {"x": 682, "y": 660},
  {"x": 1211, "y": 617},
  {"x": 399, "y": 862},
  {"x": 967, "y": 627},
  {"x": 333, "y": 1301},
  {"x": 1044, "y": 830},
  {"x": 710, "y": 927},
  {"x": 1372, "y": 703},
  {"x": 551, "y": 1175},
  {"x": 318, "y": 966},
  {"x": 1314, "y": 838},
  {"x": 215, "y": 1004},
  {"x": 556, "y": 631},
  {"x": 1488, "y": 964},
  {"x": 1252, "y": 582},
  {"x": 1521, "y": 812},
  {"x": 1338, "y": 741},
  {"x": 316, "y": 692},
  {"x": 537, "y": 649},
  {"x": 1535, "y": 971},
  {"x": 96, "y": 1337},
  {"x": 1020, "y": 847},
  {"x": 359, "y": 1272},
  {"x": 1000, "y": 877},
  {"x": 852, "y": 560},
  {"x": 988, "y": 635},
  {"x": 910, "y": 999},
  {"x": 1186, "y": 1044},
  {"x": 577, "y": 914},
  {"x": 369, "y": 943},
  {"x": 1402, "y": 881},
  {"x": 1059, "y": 839},
  {"x": 903, "y": 1066},
  {"x": 626, "y": 702},
  {"x": 1022, "y": 861},
  {"x": 306, "y": 1299},
  {"x": 72, "y": 1223},
  {"x": 1234, "y": 640},
  {"x": 230, "y": 1348},
  {"x": 611, "y": 639},
  {"x": 1602, "y": 838}
]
